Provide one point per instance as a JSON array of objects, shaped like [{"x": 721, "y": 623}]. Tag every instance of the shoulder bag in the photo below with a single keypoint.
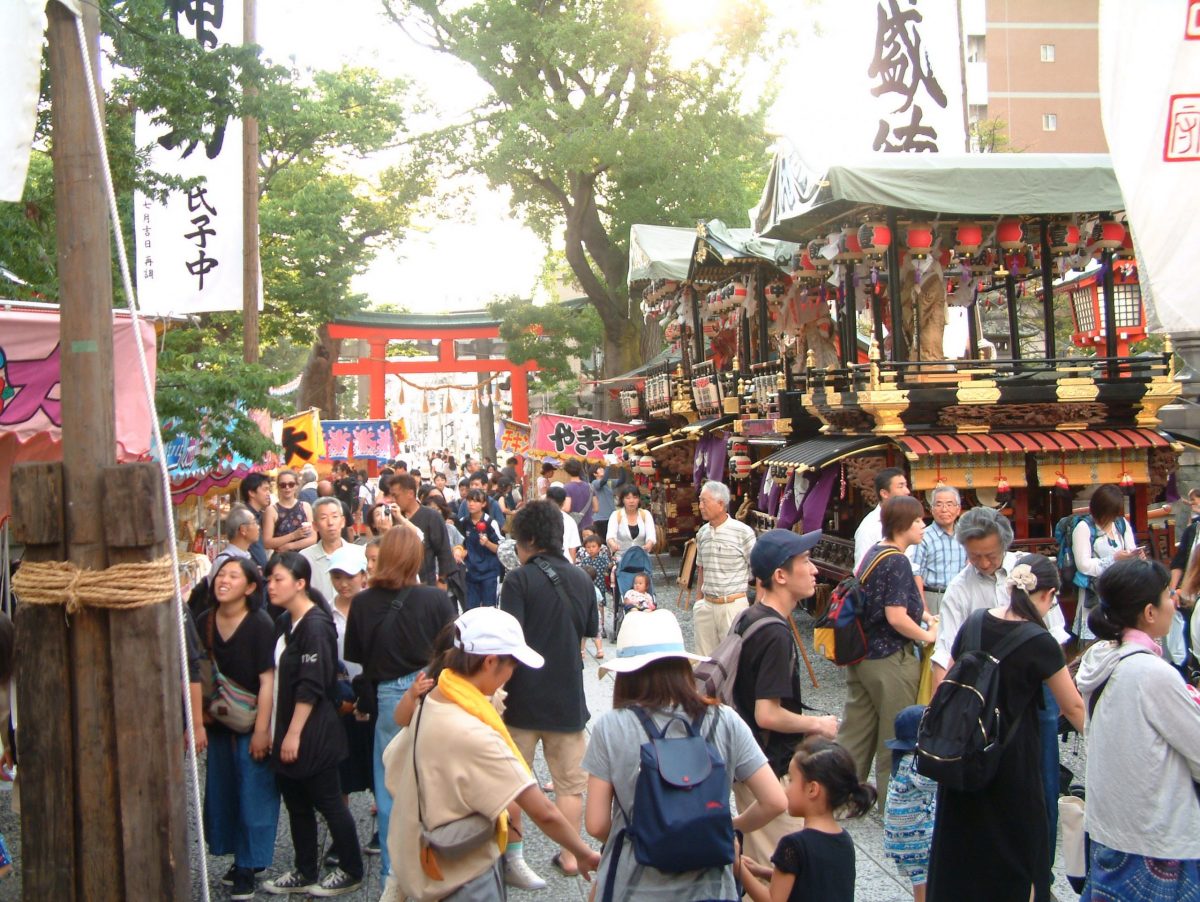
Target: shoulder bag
[
  {"x": 556, "y": 581},
  {"x": 364, "y": 687},
  {"x": 451, "y": 840},
  {"x": 225, "y": 702}
]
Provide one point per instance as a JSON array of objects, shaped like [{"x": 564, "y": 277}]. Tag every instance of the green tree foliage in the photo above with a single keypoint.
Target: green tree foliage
[
  {"x": 593, "y": 128},
  {"x": 551, "y": 334},
  {"x": 321, "y": 224}
]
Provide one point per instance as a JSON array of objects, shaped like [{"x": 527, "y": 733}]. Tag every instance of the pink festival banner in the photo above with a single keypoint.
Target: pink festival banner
[
  {"x": 555, "y": 436},
  {"x": 30, "y": 395}
]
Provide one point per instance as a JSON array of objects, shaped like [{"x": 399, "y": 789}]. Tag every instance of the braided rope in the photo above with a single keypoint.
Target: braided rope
[{"x": 122, "y": 586}]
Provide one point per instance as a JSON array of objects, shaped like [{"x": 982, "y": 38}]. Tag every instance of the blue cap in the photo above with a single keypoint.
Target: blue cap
[
  {"x": 907, "y": 722},
  {"x": 776, "y": 547}
]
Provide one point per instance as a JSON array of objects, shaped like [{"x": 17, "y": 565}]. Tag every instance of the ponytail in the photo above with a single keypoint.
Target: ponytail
[
  {"x": 827, "y": 763},
  {"x": 1125, "y": 589},
  {"x": 1032, "y": 573}
]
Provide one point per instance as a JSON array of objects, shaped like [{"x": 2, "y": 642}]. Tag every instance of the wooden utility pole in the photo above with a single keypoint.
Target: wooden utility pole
[
  {"x": 100, "y": 751},
  {"x": 250, "y": 261}
]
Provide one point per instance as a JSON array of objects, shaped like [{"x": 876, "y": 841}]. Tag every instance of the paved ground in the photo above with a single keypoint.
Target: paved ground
[{"x": 877, "y": 880}]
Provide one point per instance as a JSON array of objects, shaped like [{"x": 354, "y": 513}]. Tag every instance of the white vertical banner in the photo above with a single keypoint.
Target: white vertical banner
[
  {"x": 915, "y": 75},
  {"x": 1150, "y": 105},
  {"x": 22, "y": 26},
  {"x": 189, "y": 249}
]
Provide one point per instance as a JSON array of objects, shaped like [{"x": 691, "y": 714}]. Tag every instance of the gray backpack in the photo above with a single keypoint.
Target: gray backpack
[{"x": 716, "y": 676}]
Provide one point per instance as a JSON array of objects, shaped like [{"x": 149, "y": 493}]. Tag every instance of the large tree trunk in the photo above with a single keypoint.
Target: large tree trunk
[{"x": 318, "y": 386}]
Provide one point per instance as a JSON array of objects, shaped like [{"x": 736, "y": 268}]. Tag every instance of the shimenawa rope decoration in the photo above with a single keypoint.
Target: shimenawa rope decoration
[{"x": 121, "y": 586}]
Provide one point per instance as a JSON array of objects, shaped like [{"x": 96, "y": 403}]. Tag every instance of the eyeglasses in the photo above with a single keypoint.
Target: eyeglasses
[
  {"x": 286, "y": 485},
  {"x": 945, "y": 504}
]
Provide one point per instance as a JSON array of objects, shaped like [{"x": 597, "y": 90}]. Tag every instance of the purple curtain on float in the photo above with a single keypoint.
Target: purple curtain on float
[
  {"x": 709, "y": 462},
  {"x": 789, "y": 513},
  {"x": 816, "y": 500}
]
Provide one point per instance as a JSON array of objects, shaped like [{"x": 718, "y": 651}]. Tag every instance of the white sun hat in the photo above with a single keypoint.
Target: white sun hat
[
  {"x": 491, "y": 631},
  {"x": 646, "y": 637}
]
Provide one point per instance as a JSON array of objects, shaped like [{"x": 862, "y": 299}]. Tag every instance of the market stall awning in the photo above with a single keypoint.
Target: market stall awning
[
  {"x": 720, "y": 252},
  {"x": 799, "y": 202},
  {"x": 1070, "y": 442},
  {"x": 822, "y": 450},
  {"x": 659, "y": 252}
]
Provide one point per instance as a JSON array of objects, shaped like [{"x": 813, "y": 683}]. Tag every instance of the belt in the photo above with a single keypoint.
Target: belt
[
  {"x": 941, "y": 590},
  {"x": 724, "y": 599}
]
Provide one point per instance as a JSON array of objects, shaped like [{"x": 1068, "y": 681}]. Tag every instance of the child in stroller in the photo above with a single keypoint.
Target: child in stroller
[
  {"x": 639, "y": 598},
  {"x": 634, "y": 563}
]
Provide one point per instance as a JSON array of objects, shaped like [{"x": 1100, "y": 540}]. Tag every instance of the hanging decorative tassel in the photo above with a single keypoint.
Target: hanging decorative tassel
[
  {"x": 425, "y": 402},
  {"x": 400, "y": 399},
  {"x": 449, "y": 406},
  {"x": 1062, "y": 485},
  {"x": 474, "y": 404},
  {"x": 1003, "y": 489},
  {"x": 1126, "y": 479}
]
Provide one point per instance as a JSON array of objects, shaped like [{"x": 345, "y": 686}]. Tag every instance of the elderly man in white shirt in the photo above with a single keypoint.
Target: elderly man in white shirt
[
  {"x": 888, "y": 482},
  {"x": 983, "y": 584},
  {"x": 723, "y": 547}
]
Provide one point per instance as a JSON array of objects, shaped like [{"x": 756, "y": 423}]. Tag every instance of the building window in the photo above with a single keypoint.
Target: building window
[
  {"x": 1047, "y": 53},
  {"x": 976, "y": 48},
  {"x": 1049, "y": 122}
]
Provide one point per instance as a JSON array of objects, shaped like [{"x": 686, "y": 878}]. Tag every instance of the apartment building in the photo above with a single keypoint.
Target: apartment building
[{"x": 1034, "y": 66}]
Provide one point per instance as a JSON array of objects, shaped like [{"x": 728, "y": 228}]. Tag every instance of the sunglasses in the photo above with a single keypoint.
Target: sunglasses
[{"x": 286, "y": 485}]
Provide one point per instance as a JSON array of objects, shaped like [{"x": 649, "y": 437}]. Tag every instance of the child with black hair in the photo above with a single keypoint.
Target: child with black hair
[{"x": 818, "y": 861}]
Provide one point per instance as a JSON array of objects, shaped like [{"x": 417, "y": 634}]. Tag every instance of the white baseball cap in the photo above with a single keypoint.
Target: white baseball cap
[
  {"x": 350, "y": 559},
  {"x": 491, "y": 631}
]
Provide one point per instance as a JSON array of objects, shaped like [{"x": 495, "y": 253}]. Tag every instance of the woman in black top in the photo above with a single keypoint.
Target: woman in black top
[
  {"x": 309, "y": 740},
  {"x": 1001, "y": 830},
  {"x": 885, "y": 682},
  {"x": 241, "y": 798},
  {"x": 392, "y": 631}
]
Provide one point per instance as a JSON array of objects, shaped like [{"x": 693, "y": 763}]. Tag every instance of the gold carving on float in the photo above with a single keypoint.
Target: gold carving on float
[
  {"x": 1077, "y": 388},
  {"x": 731, "y": 406},
  {"x": 782, "y": 426},
  {"x": 980, "y": 391},
  {"x": 1162, "y": 390}
]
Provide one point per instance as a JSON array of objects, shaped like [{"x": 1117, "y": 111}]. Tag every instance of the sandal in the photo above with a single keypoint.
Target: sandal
[{"x": 556, "y": 863}]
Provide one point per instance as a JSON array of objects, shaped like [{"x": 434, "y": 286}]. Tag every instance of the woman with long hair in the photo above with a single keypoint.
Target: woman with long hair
[
  {"x": 241, "y": 798},
  {"x": 658, "y": 683},
  {"x": 391, "y": 632},
  {"x": 885, "y": 682},
  {"x": 484, "y": 775},
  {"x": 1143, "y": 745},
  {"x": 287, "y": 525},
  {"x": 379, "y": 518},
  {"x": 309, "y": 741},
  {"x": 1002, "y": 829}
]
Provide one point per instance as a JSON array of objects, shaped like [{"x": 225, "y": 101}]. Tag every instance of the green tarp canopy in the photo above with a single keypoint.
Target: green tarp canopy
[
  {"x": 799, "y": 204},
  {"x": 659, "y": 252},
  {"x": 682, "y": 255}
]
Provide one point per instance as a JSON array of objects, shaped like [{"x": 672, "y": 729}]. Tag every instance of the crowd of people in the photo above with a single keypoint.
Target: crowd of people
[{"x": 422, "y": 646}]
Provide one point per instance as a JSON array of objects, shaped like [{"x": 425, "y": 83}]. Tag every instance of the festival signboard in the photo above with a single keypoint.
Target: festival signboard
[
  {"x": 561, "y": 437},
  {"x": 189, "y": 248},
  {"x": 358, "y": 439},
  {"x": 514, "y": 439}
]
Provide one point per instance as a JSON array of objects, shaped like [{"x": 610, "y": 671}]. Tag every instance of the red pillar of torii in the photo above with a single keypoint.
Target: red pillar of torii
[{"x": 377, "y": 329}]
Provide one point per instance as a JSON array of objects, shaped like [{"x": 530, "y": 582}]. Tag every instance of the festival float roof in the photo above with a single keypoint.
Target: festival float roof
[
  {"x": 799, "y": 202},
  {"x": 700, "y": 254}
]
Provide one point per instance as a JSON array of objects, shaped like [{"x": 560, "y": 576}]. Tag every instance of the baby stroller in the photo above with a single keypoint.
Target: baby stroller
[{"x": 635, "y": 560}]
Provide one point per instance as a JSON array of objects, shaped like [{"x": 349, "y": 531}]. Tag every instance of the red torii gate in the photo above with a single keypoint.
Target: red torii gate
[{"x": 377, "y": 329}]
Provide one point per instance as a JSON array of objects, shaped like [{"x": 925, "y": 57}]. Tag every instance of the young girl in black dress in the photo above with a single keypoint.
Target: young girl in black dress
[{"x": 818, "y": 861}]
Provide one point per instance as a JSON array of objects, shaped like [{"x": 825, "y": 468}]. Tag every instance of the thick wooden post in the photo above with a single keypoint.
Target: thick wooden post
[
  {"x": 899, "y": 345},
  {"x": 101, "y": 770},
  {"x": 45, "y": 755},
  {"x": 85, "y": 292}
]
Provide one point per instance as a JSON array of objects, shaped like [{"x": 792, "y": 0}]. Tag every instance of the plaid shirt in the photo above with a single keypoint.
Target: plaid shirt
[{"x": 939, "y": 558}]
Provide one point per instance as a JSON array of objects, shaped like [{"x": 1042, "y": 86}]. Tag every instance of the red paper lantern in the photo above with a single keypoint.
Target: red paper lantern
[
  {"x": 739, "y": 295},
  {"x": 1107, "y": 235},
  {"x": 874, "y": 239},
  {"x": 814, "y": 254},
  {"x": 807, "y": 272},
  {"x": 919, "y": 239},
  {"x": 646, "y": 465},
  {"x": 1010, "y": 234},
  {"x": 968, "y": 238},
  {"x": 1126, "y": 252},
  {"x": 849, "y": 248},
  {"x": 1064, "y": 237},
  {"x": 740, "y": 466}
]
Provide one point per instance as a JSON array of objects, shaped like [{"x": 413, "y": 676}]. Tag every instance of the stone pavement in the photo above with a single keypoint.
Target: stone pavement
[{"x": 877, "y": 879}]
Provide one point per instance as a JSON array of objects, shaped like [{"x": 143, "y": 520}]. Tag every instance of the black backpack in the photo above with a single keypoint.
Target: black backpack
[{"x": 962, "y": 736}]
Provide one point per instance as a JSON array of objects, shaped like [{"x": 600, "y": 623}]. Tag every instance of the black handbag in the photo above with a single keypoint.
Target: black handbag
[{"x": 364, "y": 687}]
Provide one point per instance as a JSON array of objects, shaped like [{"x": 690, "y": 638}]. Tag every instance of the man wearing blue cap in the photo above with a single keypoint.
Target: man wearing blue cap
[{"x": 766, "y": 692}]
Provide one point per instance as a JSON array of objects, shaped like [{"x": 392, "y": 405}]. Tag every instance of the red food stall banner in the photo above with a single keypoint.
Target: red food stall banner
[{"x": 555, "y": 436}]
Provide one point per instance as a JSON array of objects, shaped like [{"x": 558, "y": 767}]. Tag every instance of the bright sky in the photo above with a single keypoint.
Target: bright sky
[{"x": 465, "y": 261}]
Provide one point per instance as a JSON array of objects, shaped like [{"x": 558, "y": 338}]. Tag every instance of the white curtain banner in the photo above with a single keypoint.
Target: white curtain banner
[
  {"x": 22, "y": 24},
  {"x": 189, "y": 249},
  {"x": 1150, "y": 105}
]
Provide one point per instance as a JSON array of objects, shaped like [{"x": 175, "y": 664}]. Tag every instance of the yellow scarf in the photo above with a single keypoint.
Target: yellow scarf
[{"x": 463, "y": 693}]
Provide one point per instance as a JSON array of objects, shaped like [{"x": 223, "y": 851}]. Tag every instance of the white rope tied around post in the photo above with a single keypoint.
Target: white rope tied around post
[{"x": 160, "y": 449}]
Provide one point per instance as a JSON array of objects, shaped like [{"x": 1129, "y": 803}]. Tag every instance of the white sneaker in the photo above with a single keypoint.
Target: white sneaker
[{"x": 519, "y": 874}]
